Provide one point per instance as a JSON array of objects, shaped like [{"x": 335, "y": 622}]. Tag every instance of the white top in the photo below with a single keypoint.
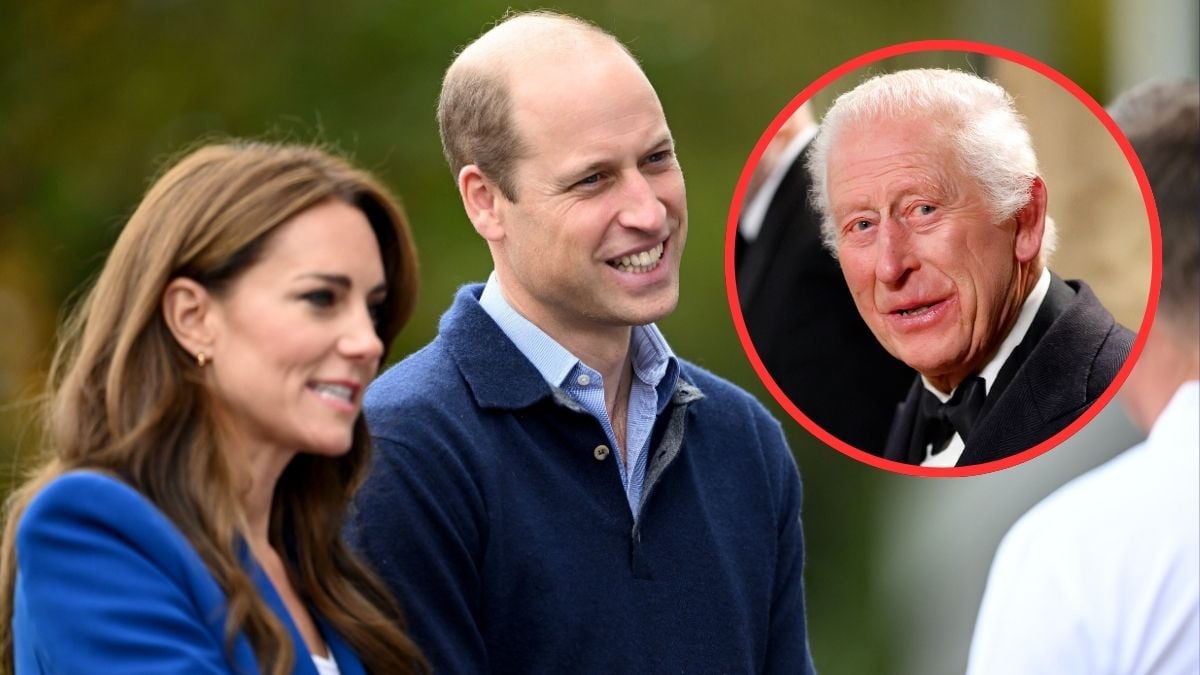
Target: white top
[
  {"x": 326, "y": 665},
  {"x": 1103, "y": 576},
  {"x": 1029, "y": 309}
]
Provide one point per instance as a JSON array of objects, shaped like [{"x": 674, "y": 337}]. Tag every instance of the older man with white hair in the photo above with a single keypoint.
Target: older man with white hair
[{"x": 933, "y": 203}]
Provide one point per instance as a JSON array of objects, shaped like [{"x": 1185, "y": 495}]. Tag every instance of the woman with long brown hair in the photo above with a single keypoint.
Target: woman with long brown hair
[{"x": 204, "y": 433}]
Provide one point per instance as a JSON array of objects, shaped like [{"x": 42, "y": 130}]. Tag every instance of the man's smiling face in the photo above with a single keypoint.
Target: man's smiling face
[
  {"x": 595, "y": 235},
  {"x": 933, "y": 274}
]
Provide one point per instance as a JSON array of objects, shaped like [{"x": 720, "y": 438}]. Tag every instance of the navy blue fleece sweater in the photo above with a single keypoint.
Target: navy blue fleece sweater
[{"x": 509, "y": 541}]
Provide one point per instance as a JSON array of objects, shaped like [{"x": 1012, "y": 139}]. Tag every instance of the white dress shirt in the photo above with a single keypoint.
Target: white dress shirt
[{"x": 1103, "y": 576}]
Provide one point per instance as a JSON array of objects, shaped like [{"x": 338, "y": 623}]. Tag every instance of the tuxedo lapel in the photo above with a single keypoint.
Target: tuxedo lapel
[
  {"x": 900, "y": 435},
  {"x": 1059, "y": 296},
  {"x": 1049, "y": 379}
]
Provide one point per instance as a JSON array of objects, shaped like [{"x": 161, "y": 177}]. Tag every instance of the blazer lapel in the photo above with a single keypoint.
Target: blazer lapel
[
  {"x": 347, "y": 660},
  {"x": 303, "y": 662}
]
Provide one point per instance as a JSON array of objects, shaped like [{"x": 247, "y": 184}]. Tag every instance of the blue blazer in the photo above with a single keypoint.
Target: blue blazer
[{"x": 107, "y": 584}]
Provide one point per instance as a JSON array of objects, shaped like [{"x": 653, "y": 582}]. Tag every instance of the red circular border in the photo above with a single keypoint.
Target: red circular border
[{"x": 735, "y": 208}]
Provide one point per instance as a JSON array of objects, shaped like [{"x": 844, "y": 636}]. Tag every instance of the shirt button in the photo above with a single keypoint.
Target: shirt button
[
  {"x": 583, "y": 380},
  {"x": 600, "y": 453}
]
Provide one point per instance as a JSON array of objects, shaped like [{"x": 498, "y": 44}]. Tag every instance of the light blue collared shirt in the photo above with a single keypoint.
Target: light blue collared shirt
[{"x": 654, "y": 365}]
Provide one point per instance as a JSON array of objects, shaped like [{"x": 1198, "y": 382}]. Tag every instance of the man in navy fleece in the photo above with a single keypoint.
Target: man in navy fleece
[{"x": 555, "y": 490}]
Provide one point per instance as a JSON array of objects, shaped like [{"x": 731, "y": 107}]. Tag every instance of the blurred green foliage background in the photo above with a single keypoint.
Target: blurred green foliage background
[{"x": 95, "y": 96}]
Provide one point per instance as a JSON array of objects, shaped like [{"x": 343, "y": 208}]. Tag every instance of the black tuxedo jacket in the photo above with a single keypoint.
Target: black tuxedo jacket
[
  {"x": 1072, "y": 351},
  {"x": 805, "y": 327}
]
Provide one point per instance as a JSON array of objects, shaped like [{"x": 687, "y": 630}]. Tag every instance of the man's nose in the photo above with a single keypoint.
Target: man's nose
[
  {"x": 895, "y": 257},
  {"x": 640, "y": 206}
]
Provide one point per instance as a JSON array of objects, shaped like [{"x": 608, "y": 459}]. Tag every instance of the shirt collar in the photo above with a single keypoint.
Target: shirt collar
[
  {"x": 648, "y": 348},
  {"x": 1029, "y": 309}
]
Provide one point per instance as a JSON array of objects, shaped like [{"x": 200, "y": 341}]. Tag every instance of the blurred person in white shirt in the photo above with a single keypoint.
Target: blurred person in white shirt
[{"x": 1103, "y": 576}]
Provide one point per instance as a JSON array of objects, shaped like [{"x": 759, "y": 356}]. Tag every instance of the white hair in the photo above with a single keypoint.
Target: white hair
[{"x": 992, "y": 143}]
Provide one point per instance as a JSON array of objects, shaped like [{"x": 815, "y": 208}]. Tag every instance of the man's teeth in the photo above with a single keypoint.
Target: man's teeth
[
  {"x": 639, "y": 262},
  {"x": 337, "y": 391},
  {"x": 916, "y": 311}
]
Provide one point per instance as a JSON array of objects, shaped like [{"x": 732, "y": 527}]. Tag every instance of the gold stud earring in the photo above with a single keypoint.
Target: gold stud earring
[{"x": 201, "y": 359}]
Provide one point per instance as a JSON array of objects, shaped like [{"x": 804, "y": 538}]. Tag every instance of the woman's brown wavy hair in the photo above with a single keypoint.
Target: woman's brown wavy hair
[{"x": 125, "y": 398}]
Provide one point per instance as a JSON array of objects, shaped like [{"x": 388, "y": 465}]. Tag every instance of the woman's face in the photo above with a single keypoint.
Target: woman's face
[{"x": 295, "y": 336}]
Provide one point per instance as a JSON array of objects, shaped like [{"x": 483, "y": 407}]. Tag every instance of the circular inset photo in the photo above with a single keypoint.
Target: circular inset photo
[{"x": 942, "y": 258}]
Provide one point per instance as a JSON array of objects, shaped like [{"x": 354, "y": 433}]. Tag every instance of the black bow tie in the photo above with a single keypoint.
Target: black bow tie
[{"x": 937, "y": 421}]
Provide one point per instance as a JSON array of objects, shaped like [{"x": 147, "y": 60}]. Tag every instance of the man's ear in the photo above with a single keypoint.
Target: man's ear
[
  {"x": 187, "y": 309},
  {"x": 1031, "y": 223},
  {"x": 483, "y": 201}
]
